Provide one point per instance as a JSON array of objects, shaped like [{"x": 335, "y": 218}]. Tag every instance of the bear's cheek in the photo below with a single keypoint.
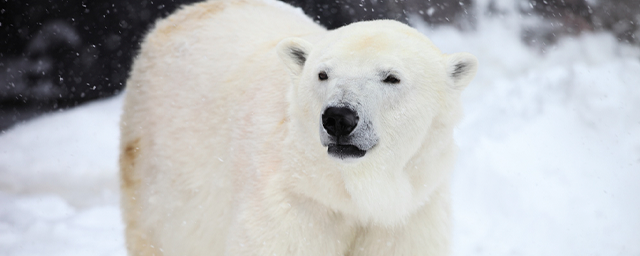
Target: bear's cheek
[
  {"x": 311, "y": 94},
  {"x": 403, "y": 124}
]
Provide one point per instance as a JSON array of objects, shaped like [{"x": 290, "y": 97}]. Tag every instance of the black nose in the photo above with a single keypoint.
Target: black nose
[{"x": 339, "y": 121}]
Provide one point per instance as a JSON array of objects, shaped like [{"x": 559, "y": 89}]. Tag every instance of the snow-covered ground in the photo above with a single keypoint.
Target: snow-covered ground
[
  {"x": 58, "y": 184},
  {"x": 549, "y": 159}
]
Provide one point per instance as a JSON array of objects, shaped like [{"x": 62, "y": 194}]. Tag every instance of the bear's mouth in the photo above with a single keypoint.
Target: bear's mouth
[{"x": 345, "y": 151}]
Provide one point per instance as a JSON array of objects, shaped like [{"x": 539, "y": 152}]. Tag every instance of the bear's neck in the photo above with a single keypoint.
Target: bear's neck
[{"x": 370, "y": 191}]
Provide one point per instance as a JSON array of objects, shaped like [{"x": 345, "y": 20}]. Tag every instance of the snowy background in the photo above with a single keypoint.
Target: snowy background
[{"x": 549, "y": 160}]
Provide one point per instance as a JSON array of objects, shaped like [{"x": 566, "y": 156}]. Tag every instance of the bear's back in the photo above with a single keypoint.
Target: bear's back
[{"x": 206, "y": 95}]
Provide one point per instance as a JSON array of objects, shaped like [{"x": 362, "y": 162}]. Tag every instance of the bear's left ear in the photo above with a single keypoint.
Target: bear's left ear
[
  {"x": 461, "y": 67},
  {"x": 293, "y": 51}
]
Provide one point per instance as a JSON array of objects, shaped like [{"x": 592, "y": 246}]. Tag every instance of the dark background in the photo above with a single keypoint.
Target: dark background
[{"x": 59, "y": 54}]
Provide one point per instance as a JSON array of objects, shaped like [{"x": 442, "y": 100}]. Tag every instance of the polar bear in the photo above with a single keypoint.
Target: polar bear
[{"x": 248, "y": 129}]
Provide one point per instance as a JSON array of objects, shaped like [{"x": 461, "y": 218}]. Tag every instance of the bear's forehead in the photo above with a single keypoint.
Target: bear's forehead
[
  {"x": 379, "y": 37},
  {"x": 376, "y": 40},
  {"x": 371, "y": 42},
  {"x": 367, "y": 47}
]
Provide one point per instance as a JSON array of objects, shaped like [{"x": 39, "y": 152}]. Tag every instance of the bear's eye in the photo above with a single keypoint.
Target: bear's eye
[
  {"x": 323, "y": 76},
  {"x": 391, "y": 79}
]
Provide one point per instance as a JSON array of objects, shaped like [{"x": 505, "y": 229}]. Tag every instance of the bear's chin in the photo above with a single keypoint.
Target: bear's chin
[{"x": 345, "y": 151}]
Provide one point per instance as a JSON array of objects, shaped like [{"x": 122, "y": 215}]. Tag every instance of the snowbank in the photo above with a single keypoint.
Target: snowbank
[
  {"x": 58, "y": 184},
  {"x": 549, "y": 158}
]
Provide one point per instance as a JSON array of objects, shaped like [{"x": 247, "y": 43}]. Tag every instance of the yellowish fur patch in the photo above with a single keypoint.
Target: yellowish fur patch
[
  {"x": 127, "y": 163},
  {"x": 137, "y": 241}
]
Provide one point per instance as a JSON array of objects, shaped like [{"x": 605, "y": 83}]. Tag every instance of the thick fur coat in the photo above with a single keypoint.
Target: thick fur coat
[{"x": 227, "y": 150}]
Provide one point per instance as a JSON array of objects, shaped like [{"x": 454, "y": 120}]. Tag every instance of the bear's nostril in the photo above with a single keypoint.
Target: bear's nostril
[{"x": 339, "y": 121}]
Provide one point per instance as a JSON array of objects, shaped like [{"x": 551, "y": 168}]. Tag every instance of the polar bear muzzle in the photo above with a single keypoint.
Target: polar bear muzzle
[
  {"x": 339, "y": 121},
  {"x": 344, "y": 133}
]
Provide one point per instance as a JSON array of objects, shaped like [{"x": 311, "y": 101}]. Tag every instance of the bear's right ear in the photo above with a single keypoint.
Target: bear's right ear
[
  {"x": 293, "y": 51},
  {"x": 461, "y": 67}
]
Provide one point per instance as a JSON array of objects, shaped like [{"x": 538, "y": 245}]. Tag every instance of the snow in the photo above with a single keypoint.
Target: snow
[
  {"x": 549, "y": 160},
  {"x": 58, "y": 184}
]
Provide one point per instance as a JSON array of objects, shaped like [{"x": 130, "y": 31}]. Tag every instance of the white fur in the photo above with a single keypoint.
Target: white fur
[{"x": 221, "y": 149}]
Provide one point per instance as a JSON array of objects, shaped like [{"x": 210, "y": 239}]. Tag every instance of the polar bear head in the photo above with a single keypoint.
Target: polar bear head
[
  {"x": 370, "y": 95},
  {"x": 372, "y": 86}
]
